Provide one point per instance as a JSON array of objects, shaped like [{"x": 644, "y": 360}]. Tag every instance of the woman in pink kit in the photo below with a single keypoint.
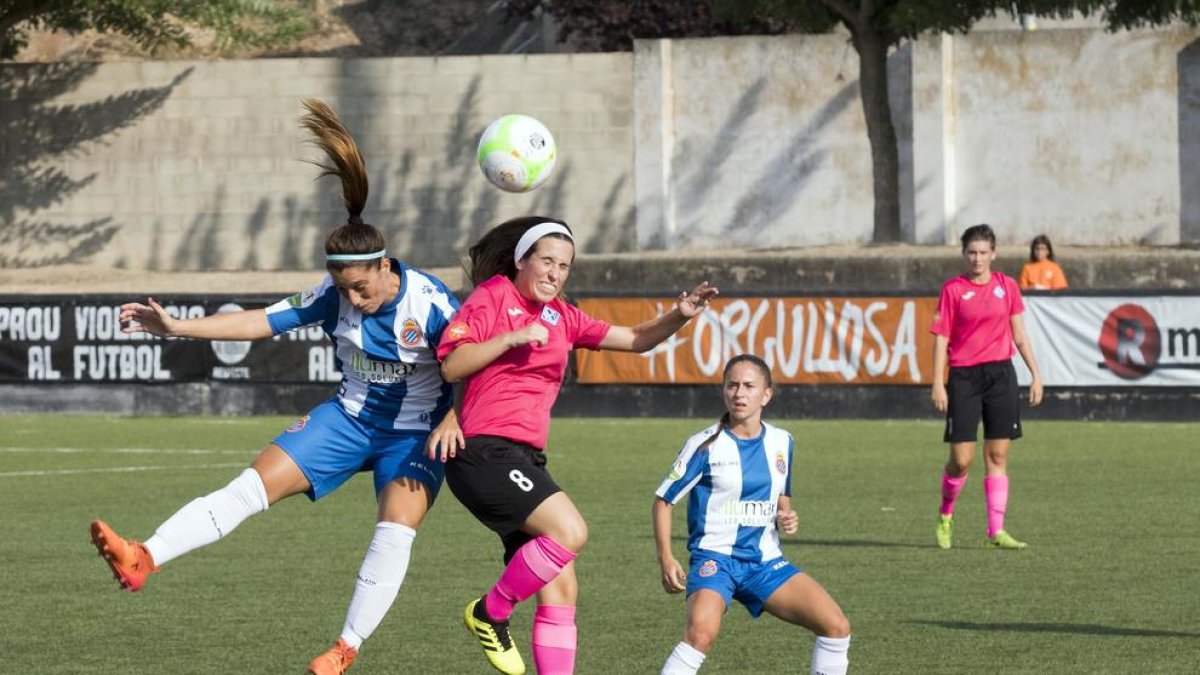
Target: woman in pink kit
[
  {"x": 978, "y": 322},
  {"x": 509, "y": 345}
]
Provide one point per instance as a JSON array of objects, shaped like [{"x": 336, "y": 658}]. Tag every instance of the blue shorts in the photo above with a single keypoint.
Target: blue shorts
[
  {"x": 330, "y": 446},
  {"x": 750, "y": 583}
]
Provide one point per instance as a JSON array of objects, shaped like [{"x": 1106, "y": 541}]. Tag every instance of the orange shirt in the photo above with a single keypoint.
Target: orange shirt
[{"x": 1044, "y": 275}]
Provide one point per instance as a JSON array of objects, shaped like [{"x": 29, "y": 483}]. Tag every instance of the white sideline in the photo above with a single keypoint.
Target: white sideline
[{"x": 118, "y": 469}]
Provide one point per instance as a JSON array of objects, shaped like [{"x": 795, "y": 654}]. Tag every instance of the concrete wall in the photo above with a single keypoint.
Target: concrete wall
[
  {"x": 1085, "y": 135},
  {"x": 196, "y": 165},
  {"x": 708, "y": 144}
]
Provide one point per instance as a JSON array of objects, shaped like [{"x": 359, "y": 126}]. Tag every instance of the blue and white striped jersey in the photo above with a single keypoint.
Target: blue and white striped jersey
[
  {"x": 391, "y": 377},
  {"x": 735, "y": 486}
]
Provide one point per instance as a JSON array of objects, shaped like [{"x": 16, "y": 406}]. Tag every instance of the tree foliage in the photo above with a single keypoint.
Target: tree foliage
[{"x": 154, "y": 24}]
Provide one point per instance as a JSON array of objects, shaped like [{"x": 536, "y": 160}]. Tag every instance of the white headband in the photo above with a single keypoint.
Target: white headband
[{"x": 536, "y": 232}]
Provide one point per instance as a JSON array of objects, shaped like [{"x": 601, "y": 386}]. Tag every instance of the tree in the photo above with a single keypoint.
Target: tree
[
  {"x": 153, "y": 24},
  {"x": 875, "y": 27}
]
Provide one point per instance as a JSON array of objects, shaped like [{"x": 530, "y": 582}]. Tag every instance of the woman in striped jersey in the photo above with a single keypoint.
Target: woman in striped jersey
[
  {"x": 385, "y": 320},
  {"x": 738, "y": 475}
]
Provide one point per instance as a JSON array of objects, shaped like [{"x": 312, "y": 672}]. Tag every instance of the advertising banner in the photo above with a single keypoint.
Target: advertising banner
[
  {"x": 805, "y": 340},
  {"x": 1114, "y": 341},
  {"x": 68, "y": 340}
]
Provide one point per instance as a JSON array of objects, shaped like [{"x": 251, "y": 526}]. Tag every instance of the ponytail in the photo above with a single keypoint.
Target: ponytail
[{"x": 356, "y": 243}]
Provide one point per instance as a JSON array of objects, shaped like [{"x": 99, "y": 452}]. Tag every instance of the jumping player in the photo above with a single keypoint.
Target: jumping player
[
  {"x": 737, "y": 475},
  {"x": 510, "y": 345},
  {"x": 978, "y": 322},
  {"x": 385, "y": 320}
]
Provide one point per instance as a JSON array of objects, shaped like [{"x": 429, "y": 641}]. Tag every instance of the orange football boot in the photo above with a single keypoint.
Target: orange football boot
[
  {"x": 129, "y": 560},
  {"x": 335, "y": 661}
]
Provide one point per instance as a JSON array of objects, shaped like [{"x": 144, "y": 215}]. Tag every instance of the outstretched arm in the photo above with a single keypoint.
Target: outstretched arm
[
  {"x": 648, "y": 334},
  {"x": 152, "y": 318},
  {"x": 673, "y": 578}
]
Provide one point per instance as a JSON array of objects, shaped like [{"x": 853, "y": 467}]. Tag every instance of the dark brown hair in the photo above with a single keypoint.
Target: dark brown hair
[
  {"x": 981, "y": 232},
  {"x": 346, "y": 163},
  {"x": 762, "y": 367},
  {"x": 1041, "y": 239},
  {"x": 493, "y": 253}
]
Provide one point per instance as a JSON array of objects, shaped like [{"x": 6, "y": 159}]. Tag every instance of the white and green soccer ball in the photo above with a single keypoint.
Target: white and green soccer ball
[{"x": 517, "y": 153}]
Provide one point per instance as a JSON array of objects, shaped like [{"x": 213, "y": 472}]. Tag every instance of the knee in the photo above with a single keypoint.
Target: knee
[
  {"x": 700, "y": 638},
  {"x": 956, "y": 467},
  {"x": 837, "y": 626},
  {"x": 571, "y": 534}
]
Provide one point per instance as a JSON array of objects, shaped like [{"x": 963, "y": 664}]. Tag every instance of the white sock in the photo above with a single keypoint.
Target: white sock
[
  {"x": 379, "y": 578},
  {"x": 684, "y": 660},
  {"x": 209, "y": 518},
  {"x": 830, "y": 656}
]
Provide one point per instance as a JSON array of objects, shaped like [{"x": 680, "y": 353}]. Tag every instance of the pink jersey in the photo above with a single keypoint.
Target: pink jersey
[
  {"x": 976, "y": 319},
  {"x": 511, "y": 397}
]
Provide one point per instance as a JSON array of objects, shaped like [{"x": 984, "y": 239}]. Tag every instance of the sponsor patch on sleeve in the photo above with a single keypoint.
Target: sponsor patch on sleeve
[
  {"x": 303, "y": 299},
  {"x": 458, "y": 330},
  {"x": 298, "y": 425}
]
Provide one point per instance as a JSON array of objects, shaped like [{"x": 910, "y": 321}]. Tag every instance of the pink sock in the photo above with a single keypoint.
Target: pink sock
[
  {"x": 995, "y": 491},
  {"x": 536, "y": 564},
  {"x": 554, "y": 639},
  {"x": 951, "y": 486}
]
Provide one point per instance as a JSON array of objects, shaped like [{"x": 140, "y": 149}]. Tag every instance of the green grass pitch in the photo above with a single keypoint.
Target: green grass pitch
[{"x": 1108, "y": 584}]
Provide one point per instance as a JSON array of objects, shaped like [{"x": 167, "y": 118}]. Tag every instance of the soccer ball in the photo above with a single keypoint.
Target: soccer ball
[{"x": 517, "y": 153}]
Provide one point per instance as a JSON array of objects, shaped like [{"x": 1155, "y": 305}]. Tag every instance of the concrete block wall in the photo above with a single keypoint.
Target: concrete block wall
[
  {"x": 755, "y": 142},
  {"x": 1091, "y": 137},
  {"x": 171, "y": 165}
]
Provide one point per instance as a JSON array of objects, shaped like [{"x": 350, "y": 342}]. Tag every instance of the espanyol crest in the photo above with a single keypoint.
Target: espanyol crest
[
  {"x": 410, "y": 334},
  {"x": 780, "y": 461}
]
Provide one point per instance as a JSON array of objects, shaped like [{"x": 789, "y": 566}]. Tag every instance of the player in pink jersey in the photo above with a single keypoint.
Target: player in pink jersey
[
  {"x": 509, "y": 345},
  {"x": 977, "y": 324}
]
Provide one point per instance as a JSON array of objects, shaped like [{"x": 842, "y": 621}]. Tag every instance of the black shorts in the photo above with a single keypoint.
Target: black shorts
[
  {"x": 501, "y": 482},
  {"x": 988, "y": 391}
]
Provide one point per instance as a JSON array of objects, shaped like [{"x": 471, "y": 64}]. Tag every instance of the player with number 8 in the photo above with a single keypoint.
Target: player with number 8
[{"x": 509, "y": 345}]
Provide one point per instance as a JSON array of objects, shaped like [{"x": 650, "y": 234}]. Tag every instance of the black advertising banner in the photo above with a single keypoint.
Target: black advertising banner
[{"x": 48, "y": 339}]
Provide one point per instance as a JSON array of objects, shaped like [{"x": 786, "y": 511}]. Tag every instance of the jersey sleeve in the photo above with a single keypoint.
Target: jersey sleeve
[
  {"x": 1027, "y": 276},
  {"x": 687, "y": 470},
  {"x": 1016, "y": 305},
  {"x": 443, "y": 308},
  {"x": 317, "y": 304},
  {"x": 586, "y": 331},
  {"x": 472, "y": 323},
  {"x": 943, "y": 319},
  {"x": 1059, "y": 281}
]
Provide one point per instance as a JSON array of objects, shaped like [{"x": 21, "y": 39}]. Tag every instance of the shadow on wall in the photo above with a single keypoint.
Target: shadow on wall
[
  {"x": 431, "y": 223},
  {"x": 1188, "y": 97},
  {"x": 772, "y": 192},
  {"x": 34, "y": 132}
]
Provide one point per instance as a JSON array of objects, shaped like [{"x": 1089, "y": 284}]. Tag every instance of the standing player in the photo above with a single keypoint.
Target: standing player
[
  {"x": 738, "y": 473},
  {"x": 510, "y": 344},
  {"x": 977, "y": 323},
  {"x": 385, "y": 320}
]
